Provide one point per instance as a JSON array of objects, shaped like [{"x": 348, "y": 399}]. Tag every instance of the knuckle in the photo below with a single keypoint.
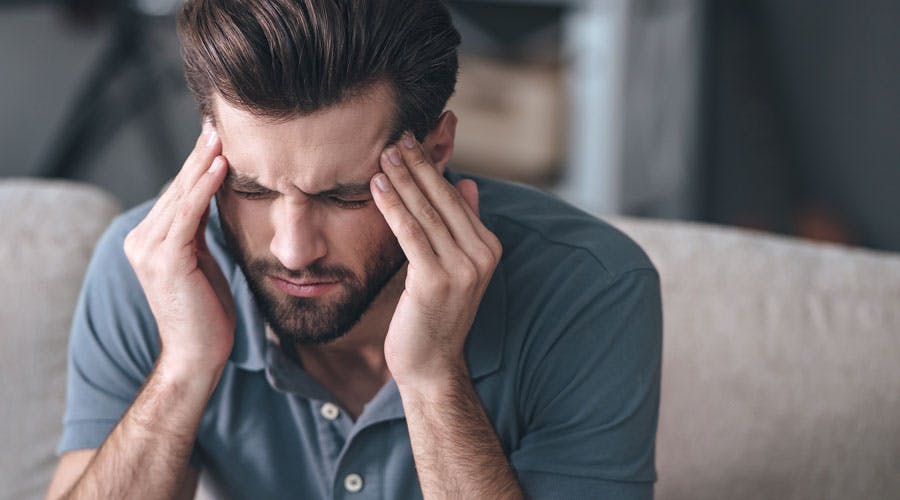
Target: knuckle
[
  {"x": 133, "y": 259},
  {"x": 467, "y": 273},
  {"x": 446, "y": 190},
  {"x": 418, "y": 161},
  {"x": 133, "y": 247},
  {"x": 173, "y": 193},
  {"x": 391, "y": 201},
  {"x": 484, "y": 257},
  {"x": 495, "y": 246},
  {"x": 130, "y": 243},
  {"x": 430, "y": 216},
  {"x": 185, "y": 212},
  {"x": 401, "y": 177},
  {"x": 411, "y": 230}
]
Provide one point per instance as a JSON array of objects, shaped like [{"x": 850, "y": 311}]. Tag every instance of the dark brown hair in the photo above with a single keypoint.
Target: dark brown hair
[{"x": 279, "y": 59}]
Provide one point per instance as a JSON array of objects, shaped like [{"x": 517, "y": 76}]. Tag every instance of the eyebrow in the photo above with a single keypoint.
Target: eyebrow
[{"x": 244, "y": 182}]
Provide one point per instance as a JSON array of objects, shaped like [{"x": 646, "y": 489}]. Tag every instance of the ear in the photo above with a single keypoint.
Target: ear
[{"x": 438, "y": 144}]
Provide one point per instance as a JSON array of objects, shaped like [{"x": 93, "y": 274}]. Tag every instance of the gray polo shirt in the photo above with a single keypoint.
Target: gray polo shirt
[{"x": 564, "y": 354}]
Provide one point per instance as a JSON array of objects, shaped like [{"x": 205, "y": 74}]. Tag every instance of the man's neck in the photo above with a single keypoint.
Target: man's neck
[{"x": 357, "y": 358}]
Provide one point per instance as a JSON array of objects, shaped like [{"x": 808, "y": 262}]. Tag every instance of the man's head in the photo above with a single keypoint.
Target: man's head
[
  {"x": 280, "y": 59},
  {"x": 305, "y": 95}
]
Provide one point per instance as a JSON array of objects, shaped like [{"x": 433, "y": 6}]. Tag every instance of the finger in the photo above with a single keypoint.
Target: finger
[
  {"x": 406, "y": 228},
  {"x": 473, "y": 211},
  {"x": 210, "y": 267},
  {"x": 418, "y": 205},
  {"x": 186, "y": 223},
  {"x": 463, "y": 223},
  {"x": 207, "y": 147},
  {"x": 469, "y": 191},
  {"x": 200, "y": 236}
]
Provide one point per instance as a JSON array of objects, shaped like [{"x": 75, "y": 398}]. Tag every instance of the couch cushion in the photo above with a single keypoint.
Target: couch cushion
[
  {"x": 781, "y": 365},
  {"x": 47, "y": 233}
]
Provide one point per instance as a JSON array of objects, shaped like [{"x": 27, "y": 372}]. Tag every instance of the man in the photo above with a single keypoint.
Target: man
[{"x": 317, "y": 308}]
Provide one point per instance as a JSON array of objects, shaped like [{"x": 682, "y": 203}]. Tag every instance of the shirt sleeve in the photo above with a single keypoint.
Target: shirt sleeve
[
  {"x": 112, "y": 345},
  {"x": 590, "y": 396}
]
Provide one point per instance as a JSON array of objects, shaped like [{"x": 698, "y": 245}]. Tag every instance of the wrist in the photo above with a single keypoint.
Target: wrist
[
  {"x": 437, "y": 385},
  {"x": 171, "y": 401},
  {"x": 182, "y": 371}
]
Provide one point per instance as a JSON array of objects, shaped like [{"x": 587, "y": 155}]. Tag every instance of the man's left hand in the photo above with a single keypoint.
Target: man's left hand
[{"x": 452, "y": 257}]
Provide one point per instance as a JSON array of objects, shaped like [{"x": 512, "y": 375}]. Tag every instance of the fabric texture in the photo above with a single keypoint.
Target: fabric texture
[
  {"x": 47, "y": 233},
  {"x": 781, "y": 366},
  {"x": 564, "y": 354}
]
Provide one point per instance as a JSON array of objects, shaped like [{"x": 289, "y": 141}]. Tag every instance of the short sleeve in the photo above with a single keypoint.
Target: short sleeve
[
  {"x": 112, "y": 345},
  {"x": 590, "y": 397}
]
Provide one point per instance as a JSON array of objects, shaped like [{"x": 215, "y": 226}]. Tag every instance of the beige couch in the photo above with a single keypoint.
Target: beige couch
[{"x": 781, "y": 376}]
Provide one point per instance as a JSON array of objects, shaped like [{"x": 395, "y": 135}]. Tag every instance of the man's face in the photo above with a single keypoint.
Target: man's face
[{"x": 299, "y": 217}]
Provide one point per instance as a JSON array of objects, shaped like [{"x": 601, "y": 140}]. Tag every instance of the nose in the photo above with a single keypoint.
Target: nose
[{"x": 297, "y": 242}]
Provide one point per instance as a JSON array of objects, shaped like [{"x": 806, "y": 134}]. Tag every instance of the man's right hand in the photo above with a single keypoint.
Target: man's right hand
[{"x": 184, "y": 286}]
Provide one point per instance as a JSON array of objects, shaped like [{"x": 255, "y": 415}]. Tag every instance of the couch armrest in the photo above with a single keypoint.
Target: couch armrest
[{"x": 47, "y": 234}]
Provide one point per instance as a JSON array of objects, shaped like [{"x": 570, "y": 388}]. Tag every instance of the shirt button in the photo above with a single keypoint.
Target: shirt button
[
  {"x": 330, "y": 411},
  {"x": 353, "y": 483}
]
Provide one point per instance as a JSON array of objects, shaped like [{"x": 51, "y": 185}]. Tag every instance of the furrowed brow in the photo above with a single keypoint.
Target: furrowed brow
[
  {"x": 243, "y": 182},
  {"x": 347, "y": 190}
]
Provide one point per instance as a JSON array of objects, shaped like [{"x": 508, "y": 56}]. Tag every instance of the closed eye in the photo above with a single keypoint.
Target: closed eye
[
  {"x": 252, "y": 195},
  {"x": 335, "y": 200},
  {"x": 350, "y": 204}
]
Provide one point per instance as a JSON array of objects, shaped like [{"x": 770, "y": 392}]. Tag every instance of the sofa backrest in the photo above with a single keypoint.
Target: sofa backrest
[
  {"x": 781, "y": 359},
  {"x": 47, "y": 234},
  {"x": 781, "y": 366}
]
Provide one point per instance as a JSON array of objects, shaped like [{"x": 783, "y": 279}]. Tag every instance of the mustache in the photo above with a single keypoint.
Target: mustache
[{"x": 314, "y": 272}]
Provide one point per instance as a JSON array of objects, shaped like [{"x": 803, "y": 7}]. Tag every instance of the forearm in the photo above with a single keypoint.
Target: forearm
[
  {"x": 146, "y": 455},
  {"x": 456, "y": 450}
]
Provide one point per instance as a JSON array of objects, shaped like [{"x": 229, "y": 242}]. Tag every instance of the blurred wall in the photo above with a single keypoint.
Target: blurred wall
[
  {"x": 45, "y": 60},
  {"x": 802, "y": 118},
  {"x": 660, "y": 112}
]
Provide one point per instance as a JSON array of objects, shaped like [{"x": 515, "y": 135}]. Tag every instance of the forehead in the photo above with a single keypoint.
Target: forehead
[{"x": 339, "y": 144}]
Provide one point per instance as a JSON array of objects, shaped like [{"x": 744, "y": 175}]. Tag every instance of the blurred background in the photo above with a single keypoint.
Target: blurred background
[{"x": 777, "y": 115}]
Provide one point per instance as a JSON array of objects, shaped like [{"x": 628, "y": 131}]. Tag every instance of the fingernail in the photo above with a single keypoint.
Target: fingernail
[
  {"x": 212, "y": 138},
  {"x": 394, "y": 156},
  {"x": 408, "y": 140},
  {"x": 216, "y": 165},
  {"x": 384, "y": 185}
]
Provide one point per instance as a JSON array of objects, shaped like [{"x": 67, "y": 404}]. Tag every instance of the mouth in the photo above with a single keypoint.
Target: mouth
[{"x": 306, "y": 288}]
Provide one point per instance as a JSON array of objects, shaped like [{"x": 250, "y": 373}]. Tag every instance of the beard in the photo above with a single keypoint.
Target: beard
[{"x": 298, "y": 321}]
